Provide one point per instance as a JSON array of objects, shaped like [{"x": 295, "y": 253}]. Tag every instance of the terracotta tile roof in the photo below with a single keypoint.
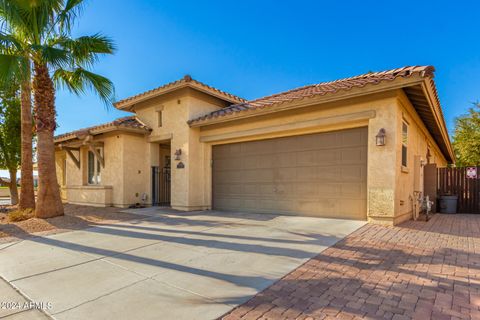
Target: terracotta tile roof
[
  {"x": 185, "y": 81},
  {"x": 130, "y": 122},
  {"x": 319, "y": 89}
]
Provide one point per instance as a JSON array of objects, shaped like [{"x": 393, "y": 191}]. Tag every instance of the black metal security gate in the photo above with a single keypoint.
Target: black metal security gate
[
  {"x": 455, "y": 181},
  {"x": 161, "y": 186}
]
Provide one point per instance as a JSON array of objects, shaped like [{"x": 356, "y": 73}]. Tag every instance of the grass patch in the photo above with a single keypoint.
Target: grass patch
[{"x": 20, "y": 215}]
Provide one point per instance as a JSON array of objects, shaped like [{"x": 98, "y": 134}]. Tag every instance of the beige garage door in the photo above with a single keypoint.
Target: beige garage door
[{"x": 320, "y": 175}]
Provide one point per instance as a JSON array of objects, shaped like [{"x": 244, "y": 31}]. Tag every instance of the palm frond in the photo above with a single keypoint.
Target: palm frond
[
  {"x": 13, "y": 13},
  {"x": 56, "y": 57},
  {"x": 86, "y": 50},
  {"x": 12, "y": 68},
  {"x": 43, "y": 28},
  {"x": 79, "y": 80},
  {"x": 30, "y": 18},
  {"x": 68, "y": 14},
  {"x": 9, "y": 43}
]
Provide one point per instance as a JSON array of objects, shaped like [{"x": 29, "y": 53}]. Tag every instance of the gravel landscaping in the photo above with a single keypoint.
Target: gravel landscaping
[{"x": 75, "y": 218}]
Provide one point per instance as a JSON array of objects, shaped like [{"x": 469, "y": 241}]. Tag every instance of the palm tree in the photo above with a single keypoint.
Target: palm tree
[
  {"x": 21, "y": 70},
  {"x": 44, "y": 28}
]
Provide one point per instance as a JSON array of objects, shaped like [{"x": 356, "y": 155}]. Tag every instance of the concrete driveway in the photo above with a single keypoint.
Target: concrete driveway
[{"x": 170, "y": 265}]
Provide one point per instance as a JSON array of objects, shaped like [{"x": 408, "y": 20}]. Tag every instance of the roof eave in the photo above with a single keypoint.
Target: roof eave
[
  {"x": 95, "y": 132},
  {"x": 302, "y": 102},
  {"x": 122, "y": 105},
  {"x": 430, "y": 92}
]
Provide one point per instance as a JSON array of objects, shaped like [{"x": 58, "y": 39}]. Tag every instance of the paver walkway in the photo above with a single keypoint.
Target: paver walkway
[{"x": 416, "y": 270}]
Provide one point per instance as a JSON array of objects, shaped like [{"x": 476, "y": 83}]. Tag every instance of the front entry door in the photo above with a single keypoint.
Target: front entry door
[{"x": 161, "y": 183}]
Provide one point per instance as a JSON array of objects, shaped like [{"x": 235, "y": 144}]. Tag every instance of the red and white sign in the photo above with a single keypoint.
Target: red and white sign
[{"x": 472, "y": 172}]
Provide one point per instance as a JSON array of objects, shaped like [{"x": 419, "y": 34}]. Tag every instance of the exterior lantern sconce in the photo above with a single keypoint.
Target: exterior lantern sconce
[
  {"x": 380, "y": 137},
  {"x": 428, "y": 155},
  {"x": 178, "y": 153}
]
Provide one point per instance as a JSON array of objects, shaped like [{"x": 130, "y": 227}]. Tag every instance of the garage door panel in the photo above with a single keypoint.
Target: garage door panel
[
  {"x": 316, "y": 175},
  {"x": 257, "y": 175},
  {"x": 228, "y": 176},
  {"x": 330, "y": 174},
  {"x": 226, "y": 164},
  {"x": 352, "y": 139},
  {"x": 286, "y": 160},
  {"x": 354, "y": 173},
  {"x": 308, "y": 189},
  {"x": 322, "y": 206},
  {"x": 270, "y": 205},
  {"x": 351, "y": 190},
  {"x": 284, "y": 190},
  {"x": 285, "y": 145},
  {"x": 346, "y": 208},
  {"x": 307, "y": 174},
  {"x": 328, "y": 190},
  {"x": 307, "y": 158},
  {"x": 327, "y": 140},
  {"x": 228, "y": 202},
  {"x": 250, "y": 204},
  {"x": 256, "y": 148},
  {"x": 266, "y": 189},
  {"x": 331, "y": 157},
  {"x": 352, "y": 155}
]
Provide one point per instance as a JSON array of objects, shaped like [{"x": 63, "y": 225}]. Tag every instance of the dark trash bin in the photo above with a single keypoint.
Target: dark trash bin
[{"x": 448, "y": 204}]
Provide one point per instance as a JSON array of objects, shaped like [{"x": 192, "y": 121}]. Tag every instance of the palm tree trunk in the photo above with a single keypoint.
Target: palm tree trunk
[
  {"x": 27, "y": 196},
  {"x": 49, "y": 202},
  {"x": 13, "y": 186}
]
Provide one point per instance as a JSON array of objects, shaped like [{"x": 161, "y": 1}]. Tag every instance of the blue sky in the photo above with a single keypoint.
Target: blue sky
[{"x": 256, "y": 48}]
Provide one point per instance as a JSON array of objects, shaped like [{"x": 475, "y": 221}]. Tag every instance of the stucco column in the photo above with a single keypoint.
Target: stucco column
[
  {"x": 190, "y": 182},
  {"x": 382, "y": 168},
  {"x": 180, "y": 172}
]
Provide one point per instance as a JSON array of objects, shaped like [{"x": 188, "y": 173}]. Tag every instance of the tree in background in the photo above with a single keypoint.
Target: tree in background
[
  {"x": 466, "y": 139},
  {"x": 19, "y": 69},
  {"x": 42, "y": 29},
  {"x": 10, "y": 129}
]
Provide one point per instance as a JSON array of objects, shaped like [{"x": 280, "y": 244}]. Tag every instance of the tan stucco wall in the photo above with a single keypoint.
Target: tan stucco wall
[
  {"x": 419, "y": 140},
  {"x": 332, "y": 116},
  {"x": 173, "y": 131},
  {"x": 187, "y": 184},
  {"x": 122, "y": 178},
  {"x": 129, "y": 157},
  {"x": 136, "y": 170},
  {"x": 98, "y": 196}
]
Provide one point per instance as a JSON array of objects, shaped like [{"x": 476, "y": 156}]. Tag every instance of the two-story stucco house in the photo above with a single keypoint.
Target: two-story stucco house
[{"x": 352, "y": 148}]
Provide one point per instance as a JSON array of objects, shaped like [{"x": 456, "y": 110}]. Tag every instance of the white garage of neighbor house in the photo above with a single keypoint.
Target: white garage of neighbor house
[{"x": 351, "y": 148}]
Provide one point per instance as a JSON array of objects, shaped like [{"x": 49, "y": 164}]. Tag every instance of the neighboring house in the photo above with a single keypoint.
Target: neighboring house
[{"x": 309, "y": 151}]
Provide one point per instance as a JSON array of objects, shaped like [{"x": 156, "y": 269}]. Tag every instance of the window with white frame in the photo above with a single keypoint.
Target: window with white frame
[
  {"x": 94, "y": 167},
  {"x": 404, "y": 144}
]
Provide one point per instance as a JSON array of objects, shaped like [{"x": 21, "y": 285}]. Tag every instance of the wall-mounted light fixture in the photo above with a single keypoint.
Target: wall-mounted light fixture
[
  {"x": 428, "y": 155},
  {"x": 380, "y": 137},
  {"x": 178, "y": 154}
]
